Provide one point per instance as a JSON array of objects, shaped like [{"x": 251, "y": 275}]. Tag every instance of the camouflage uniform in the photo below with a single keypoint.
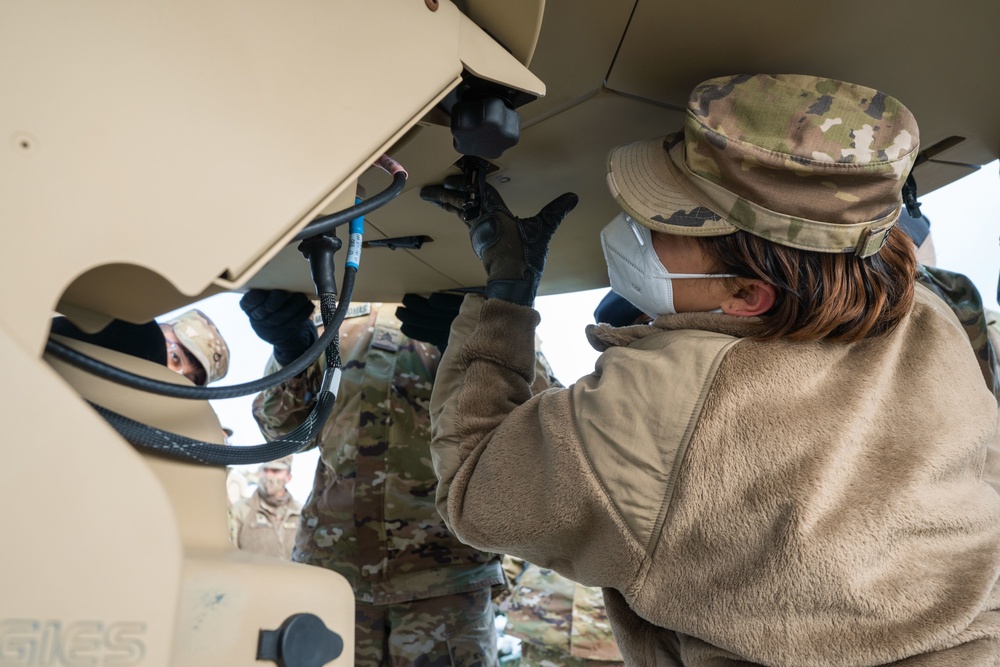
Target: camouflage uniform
[
  {"x": 371, "y": 515},
  {"x": 963, "y": 298},
  {"x": 560, "y": 622},
  {"x": 993, "y": 327},
  {"x": 266, "y": 526}
]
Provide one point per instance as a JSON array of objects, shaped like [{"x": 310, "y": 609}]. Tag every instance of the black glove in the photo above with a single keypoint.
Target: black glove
[
  {"x": 283, "y": 319},
  {"x": 429, "y": 319},
  {"x": 513, "y": 249}
]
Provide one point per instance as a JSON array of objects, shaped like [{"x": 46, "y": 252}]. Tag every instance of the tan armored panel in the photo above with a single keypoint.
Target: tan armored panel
[
  {"x": 191, "y": 140},
  {"x": 224, "y": 596},
  {"x": 92, "y": 557},
  {"x": 153, "y": 153}
]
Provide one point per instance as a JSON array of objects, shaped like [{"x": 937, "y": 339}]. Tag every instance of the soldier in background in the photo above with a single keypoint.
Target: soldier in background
[
  {"x": 993, "y": 328},
  {"x": 195, "y": 348},
  {"x": 189, "y": 344},
  {"x": 422, "y": 597},
  {"x": 266, "y": 522},
  {"x": 955, "y": 289},
  {"x": 560, "y": 623}
]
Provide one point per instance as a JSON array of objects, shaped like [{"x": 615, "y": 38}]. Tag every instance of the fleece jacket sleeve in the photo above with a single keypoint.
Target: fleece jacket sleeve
[{"x": 513, "y": 476}]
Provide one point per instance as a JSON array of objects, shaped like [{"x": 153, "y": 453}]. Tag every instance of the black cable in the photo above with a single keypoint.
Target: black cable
[
  {"x": 143, "y": 383},
  {"x": 171, "y": 445},
  {"x": 316, "y": 228},
  {"x": 328, "y": 304},
  {"x": 327, "y": 223},
  {"x": 181, "y": 448}
]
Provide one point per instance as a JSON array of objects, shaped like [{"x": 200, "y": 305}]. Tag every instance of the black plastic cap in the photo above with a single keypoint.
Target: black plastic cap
[
  {"x": 484, "y": 127},
  {"x": 303, "y": 640}
]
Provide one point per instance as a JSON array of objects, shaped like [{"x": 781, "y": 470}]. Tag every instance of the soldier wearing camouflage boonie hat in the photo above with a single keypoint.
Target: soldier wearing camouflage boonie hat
[
  {"x": 199, "y": 336},
  {"x": 807, "y": 162}
]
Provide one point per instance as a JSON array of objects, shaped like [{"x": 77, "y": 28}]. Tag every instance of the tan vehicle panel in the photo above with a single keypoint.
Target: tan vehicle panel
[
  {"x": 621, "y": 71},
  {"x": 158, "y": 152}
]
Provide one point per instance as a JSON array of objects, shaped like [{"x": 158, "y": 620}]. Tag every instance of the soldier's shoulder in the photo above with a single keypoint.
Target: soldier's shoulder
[{"x": 242, "y": 508}]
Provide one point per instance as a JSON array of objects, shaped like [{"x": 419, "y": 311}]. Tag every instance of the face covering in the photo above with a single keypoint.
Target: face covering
[
  {"x": 271, "y": 486},
  {"x": 636, "y": 272}
]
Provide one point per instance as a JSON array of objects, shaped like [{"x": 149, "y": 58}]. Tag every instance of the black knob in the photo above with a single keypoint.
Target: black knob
[
  {"x": 484, "y": 126},
  {"x": 301, "y": 641}
]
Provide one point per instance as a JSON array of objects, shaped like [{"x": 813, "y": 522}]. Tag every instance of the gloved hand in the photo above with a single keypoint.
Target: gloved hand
[
  {"x": 283, "y": 319},
  {"x": 512, "y": 249},
  {"x": 429, "y": 319}
]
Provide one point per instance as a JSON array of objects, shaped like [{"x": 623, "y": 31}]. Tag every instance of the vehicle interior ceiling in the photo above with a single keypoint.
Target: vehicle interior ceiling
[{"x": 621, "y": 71}]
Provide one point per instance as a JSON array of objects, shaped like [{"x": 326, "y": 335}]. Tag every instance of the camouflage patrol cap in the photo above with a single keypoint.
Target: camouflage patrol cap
[
  {"x": 284, "y": 463},
  {"x": 812, "y": 163},
  {"x": 199, "y": 336}
]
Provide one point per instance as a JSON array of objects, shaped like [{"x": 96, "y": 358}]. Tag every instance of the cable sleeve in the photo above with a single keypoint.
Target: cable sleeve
[
  {"x": 143, "y": 383},
  {"x": 181, "y": 448}
]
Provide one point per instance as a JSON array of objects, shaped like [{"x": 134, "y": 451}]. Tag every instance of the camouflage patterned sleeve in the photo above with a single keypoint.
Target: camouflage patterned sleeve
[
  {"x": 963, "y": 298},
  {"x": 512, "y": 570},
  {"x": 279, "y": 410}
]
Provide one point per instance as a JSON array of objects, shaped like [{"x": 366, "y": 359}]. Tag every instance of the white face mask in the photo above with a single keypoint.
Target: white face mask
[{"x": 636, "y": 273}]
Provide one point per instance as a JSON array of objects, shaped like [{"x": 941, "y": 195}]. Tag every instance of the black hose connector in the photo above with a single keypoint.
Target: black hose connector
[{"x": 319, "y": 250}]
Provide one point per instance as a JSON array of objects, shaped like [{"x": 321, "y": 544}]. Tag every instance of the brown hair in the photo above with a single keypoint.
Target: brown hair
[{"x": 837, "y": 297}]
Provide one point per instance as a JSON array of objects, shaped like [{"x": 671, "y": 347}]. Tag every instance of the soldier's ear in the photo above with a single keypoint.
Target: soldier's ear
[{"x": 755, "y": 297}]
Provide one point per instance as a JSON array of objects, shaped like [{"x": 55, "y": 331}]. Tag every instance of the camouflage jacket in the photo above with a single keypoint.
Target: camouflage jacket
[
  {"x": 552, "y": 612},
  {"x": 993, "y": 328},
  {"x": 371, "y": 514},
  {"x": 265, "y": 528},
  {"x": 963, "y": 298}
]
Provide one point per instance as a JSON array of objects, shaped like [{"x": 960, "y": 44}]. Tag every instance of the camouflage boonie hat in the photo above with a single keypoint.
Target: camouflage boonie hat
[
  {"x": 815, "y": 164},
  {"x": 202, "y": 339},
  {"x": 284, "y": 463}
]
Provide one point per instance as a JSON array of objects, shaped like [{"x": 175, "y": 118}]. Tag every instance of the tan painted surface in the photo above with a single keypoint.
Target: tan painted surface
[
  {"x": 159, "y": 151},
  {"x": 154, "y": 153}
]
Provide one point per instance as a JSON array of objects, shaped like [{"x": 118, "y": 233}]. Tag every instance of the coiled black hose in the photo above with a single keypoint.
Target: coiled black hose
[
  {"x": 182, "y": 448},
  {"x": 143, "y": 383}
]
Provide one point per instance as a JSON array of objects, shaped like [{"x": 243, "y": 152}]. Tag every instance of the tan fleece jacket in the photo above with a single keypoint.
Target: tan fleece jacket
[{"x": 740, "y": 502}]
